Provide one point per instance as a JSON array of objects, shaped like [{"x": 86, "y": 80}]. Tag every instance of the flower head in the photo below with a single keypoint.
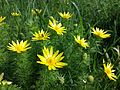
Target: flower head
[
  {"x": 36, "y": 11},
  {"x": 65, "y": 15},
  {"x": 2, "y": 19},
  {"x": 82, "y": 41},
  {"x": 56, "y": 26},
  {"x": 15, "y": 14},
  {"x": 41, "y": 35},
  {"x": 19, "y": 47},
  {"x": 100, "y": 33},
  {"x": 50, "y": 59},
  {"x": 108, "y": 70}
]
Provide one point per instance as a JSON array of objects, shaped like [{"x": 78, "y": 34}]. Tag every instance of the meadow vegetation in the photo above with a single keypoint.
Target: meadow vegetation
[{"x": 59, "y": 44}]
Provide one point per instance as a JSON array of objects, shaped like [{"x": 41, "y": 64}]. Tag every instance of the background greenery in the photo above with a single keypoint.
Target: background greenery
[{"x": 23, "y": 70}]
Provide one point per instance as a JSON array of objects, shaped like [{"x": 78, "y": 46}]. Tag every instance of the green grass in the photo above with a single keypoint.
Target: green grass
[{"x": 22, "y": 68}]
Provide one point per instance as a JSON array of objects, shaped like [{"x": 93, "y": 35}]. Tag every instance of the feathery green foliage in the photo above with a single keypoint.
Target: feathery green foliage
[{"x": 85, "y": 69}]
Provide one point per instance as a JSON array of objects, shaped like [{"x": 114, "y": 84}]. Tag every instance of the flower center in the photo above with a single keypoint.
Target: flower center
[
  {"x": 56, "y": 28},
  {"x": 108, "y": 71},
  {"x": 100, "y": 33},
  {"x": 51, "y": 62},
  {"x": 66, "y": 16},
  {"x": 40, "y": 36},
  {"x": 18, "y": 49}
]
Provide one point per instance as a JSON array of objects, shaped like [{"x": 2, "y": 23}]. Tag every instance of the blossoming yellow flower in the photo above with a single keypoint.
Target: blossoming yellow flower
[
  {"x": 82, "y": 41},
  {"x": 65, "y": 15},
  {"x": 100, "y": 33},
  {"x": 108, "y": 70},
  {"x": 2, "y": 18},
  {"x": 15, "y": 14},
  {"x": 56, "y": 26},
  {"x": 19, "y": 47},
  {"x": 36, "y": 11},
  {"x": 41, "y": 35},
  {"x": 50, "y": 59}
]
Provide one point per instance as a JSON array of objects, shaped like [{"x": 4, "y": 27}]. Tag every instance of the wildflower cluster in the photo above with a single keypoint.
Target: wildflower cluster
[
  {"x": 38, "y": 43},
  {"x": 50, "y": 59}
]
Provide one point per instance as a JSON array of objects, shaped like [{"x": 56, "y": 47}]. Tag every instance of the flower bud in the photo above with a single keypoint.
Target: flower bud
[{"x": 90, "y": 79}]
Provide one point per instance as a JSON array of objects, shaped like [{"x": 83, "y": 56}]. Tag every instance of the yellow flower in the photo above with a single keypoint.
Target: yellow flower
[
  {"x": 2, "y": 18},
  {"x": 65, "y": 15},
  {"x": 3, "y": 82},
  {"x": 56, "y": 26},
  {"x": 82, "y": 41},
  {"x": 41, "y": 35},
  {"x": 50, "y": 59},
  {"x": 108, "y": 70},
  {"x": 19, "y": 47},
  {"x": 36, "y": 11},
  {"x": 15, "y": 14},
  {"x": 101, "y": 33}
]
